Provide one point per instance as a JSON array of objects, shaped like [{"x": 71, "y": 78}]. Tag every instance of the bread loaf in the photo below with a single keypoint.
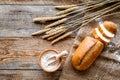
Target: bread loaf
[
  {"x": 105, "y": 31},
  {"x": 86, "y": 53}
]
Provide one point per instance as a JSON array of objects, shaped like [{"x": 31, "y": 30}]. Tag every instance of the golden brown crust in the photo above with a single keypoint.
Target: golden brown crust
[
  {"x": 91, "y": 56},
  {"x": 97, "y": 37},
  {"x": 105, "y": 36},
  {"x": 110, "y": 26},
  {"x": 84, "y": 56}
]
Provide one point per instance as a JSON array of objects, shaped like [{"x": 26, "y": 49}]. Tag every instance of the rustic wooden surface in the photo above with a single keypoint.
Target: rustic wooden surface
[
  {"x": 18, "y": 49},
  {"x": 44, "y": 2}
]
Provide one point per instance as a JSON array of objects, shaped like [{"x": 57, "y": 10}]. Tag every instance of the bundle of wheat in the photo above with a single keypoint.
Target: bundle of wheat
[{"x": 69, "y": 19}]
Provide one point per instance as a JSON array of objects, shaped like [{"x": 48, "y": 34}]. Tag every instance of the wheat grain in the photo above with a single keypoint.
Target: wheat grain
[
  {"x": 65, "y": 6},
  {"x": 54, "y": 36},
  {"x": 62, "y": 37},
  {"x": 45, "y": 19},
  {"x": 66, "y": 11},
  {"x": 56, "y": 23},
  {"x": 54, "y": 29},
  {"x": 40, "y": 31},
  {"x": 54, "y": 33}
]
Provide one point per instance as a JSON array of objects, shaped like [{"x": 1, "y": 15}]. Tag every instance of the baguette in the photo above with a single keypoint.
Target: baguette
[{"x": 88, "y": 50}]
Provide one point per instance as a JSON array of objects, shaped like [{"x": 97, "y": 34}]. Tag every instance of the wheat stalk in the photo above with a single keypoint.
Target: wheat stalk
[
  {"x": 45, "y": 19},
  {"x": 66, "y": 26},
  {"x": 40, "y": 31},
  {"x": 67, "y": 11},
  {"x": 62, "y": 37},
  {"x": 56, "y": 23},
  {"x": 54, "y": 36},
  {"x": 53, "y": 33}
]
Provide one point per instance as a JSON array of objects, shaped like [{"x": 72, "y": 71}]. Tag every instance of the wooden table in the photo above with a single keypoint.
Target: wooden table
[{"x": 18, "y": 49}]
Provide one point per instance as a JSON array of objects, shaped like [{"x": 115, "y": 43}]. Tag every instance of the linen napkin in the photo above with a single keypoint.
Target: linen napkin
[{"x": 106, "y": 66}]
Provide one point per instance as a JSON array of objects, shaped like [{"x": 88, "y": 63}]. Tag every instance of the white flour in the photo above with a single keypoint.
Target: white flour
[{"x": 45, "y": 61}]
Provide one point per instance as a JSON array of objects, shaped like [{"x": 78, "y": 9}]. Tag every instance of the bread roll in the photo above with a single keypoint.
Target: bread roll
[{"x": 86, "y": 53}]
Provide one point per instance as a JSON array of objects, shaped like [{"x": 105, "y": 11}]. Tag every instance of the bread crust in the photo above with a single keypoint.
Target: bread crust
[
  {"x": 104, "y": 32},
  {"x": 97, "y": 37},
  {"x": 91, "y": 56},
  {"x": 86, "y": 53},
  {"x": 110, "y": 26}
]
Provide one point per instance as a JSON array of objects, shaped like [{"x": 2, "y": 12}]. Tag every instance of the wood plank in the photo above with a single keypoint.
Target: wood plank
[
  {"x": 18, "y": 55},
  {"x": 23, "y": 52},
  {"x": 28, "y": 75},
  {"x": 16, "y": 20},
  {"x": 45, "y": 2}
]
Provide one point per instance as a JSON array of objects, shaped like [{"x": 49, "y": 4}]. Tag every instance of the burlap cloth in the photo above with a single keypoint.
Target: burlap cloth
[{"x": 106, "y": 66}]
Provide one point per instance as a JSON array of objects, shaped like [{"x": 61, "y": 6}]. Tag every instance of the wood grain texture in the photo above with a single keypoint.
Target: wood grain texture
[
  {"x": 16, "y": 20},
  {"x": 23, "y": 52},
  {"x": 28, "y": 75},
  {"x": 18, "y": 49},
  {"x": 45, "y": 2}
]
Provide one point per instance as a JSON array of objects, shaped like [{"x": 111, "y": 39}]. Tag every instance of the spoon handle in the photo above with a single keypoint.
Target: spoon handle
[{"x": 63, "y": 53}]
